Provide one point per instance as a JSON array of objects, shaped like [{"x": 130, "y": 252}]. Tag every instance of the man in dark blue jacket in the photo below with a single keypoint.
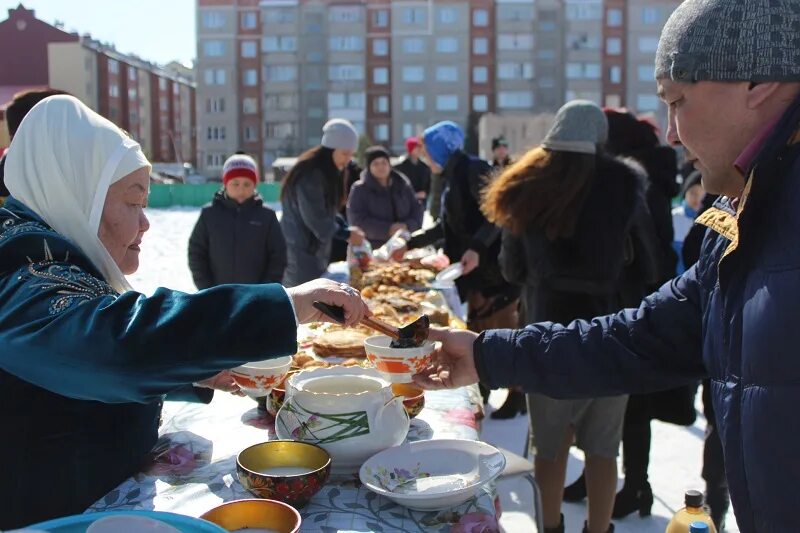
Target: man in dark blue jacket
[{"x": 730, "y": 72}]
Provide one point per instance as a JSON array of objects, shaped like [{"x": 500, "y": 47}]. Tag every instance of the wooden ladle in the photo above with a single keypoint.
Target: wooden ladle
[{"x": 416, "y": 332}]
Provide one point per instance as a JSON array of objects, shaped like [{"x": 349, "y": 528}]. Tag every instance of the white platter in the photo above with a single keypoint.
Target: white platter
[{"x": 441, "y": 473}]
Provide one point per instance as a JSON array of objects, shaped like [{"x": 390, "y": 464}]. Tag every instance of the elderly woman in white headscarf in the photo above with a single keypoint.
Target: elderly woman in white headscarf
[{"x": 84, "y": 360}]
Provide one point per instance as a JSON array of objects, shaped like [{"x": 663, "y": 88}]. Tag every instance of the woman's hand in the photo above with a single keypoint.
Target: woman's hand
[
  {"x": 397, "y": 226},
  {"x": 471, "y": 259},
  {"x": 453, "y": 365},
  {"x": 357, "y": 236},
  {"x": 222, "y": 381},
  {"x": 329, "y": 292}
]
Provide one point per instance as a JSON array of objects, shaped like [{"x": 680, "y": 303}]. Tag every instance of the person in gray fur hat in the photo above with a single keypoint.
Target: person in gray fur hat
[{"x": 729, "y": 70}]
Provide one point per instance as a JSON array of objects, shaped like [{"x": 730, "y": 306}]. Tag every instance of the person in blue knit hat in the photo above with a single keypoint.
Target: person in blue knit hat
[{"x": 468, "y": 237}]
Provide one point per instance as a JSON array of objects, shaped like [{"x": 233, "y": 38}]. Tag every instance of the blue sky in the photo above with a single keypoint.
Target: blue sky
[{"x": 156, "y": 30}]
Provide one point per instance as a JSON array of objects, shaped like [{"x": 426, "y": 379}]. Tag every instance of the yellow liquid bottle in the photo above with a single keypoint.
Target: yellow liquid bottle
[{"x": 693, "y": 512}]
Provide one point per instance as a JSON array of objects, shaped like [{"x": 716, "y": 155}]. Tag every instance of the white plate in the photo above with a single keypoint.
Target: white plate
[
  {"x": 444, "y": 472},
  {"x": 450, "y": 274}
]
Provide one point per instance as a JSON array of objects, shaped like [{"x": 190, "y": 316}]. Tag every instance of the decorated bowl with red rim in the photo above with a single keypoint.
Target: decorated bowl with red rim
[{"x": 397, "y": 365}]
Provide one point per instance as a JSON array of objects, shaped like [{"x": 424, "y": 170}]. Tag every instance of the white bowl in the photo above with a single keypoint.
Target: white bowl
[
  {"x": 456, "y": 469},
  {"x": 397, "y": 365},
  {"x": 258, "y": 379}
]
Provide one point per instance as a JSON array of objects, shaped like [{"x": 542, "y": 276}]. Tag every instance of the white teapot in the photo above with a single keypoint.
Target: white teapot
[{"x": 349, "y": 411}]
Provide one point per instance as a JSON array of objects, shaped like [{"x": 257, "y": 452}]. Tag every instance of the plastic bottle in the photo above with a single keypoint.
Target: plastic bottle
[
  {"x": 698, "y": 527},
  {"x": 692, "y": 513}
]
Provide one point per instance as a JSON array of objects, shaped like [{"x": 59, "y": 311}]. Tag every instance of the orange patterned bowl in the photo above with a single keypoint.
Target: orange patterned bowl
[
  {"x": 257, "y": 379},
  {"x": 255, "y": 515},
  {"x": 413, "y": 397},
  {"x": 397, "y": 365},
  {"x": 275, "y": 399},
  {"x": 284, "y": 470}
]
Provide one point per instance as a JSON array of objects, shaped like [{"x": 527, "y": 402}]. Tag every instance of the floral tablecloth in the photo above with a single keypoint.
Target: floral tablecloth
[{"x": 193, "y": 468}]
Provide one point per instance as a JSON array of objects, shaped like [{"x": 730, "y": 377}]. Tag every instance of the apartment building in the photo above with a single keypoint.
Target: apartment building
[
  {"x": 271, "y": 72},
  {"x": 156, "y": 105}
]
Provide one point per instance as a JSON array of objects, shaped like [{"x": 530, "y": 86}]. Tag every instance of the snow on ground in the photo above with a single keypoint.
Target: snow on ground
[{"x": 676, "y": 455}]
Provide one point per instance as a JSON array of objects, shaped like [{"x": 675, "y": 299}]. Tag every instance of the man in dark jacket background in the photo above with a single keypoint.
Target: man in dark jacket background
[
  {"x": 15, "y": 112},
  {"x": 731, "y": 317},
  {"x": 417, "y": 172},
  {"x": 500, "y": 157},
  {"x": 237, "y": 239}
]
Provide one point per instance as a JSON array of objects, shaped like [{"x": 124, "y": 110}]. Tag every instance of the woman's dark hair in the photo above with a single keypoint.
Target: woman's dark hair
[
  {"x": 317, "y": 158},
  {"x": 545, "y": 190}
]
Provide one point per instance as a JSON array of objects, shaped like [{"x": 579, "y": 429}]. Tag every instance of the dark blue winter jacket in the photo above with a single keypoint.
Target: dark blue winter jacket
[
  {"x": 83, "y": 370},
  {"x": 731, "y": 317}
]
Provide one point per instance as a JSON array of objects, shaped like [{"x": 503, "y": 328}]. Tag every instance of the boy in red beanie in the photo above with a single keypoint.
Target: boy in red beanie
[
  {"x": 417, "y": 172},
  {"x": 237, "y": 238}
]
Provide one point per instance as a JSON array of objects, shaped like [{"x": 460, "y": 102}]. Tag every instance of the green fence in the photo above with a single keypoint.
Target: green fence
[{"x": 197, "y": 195}]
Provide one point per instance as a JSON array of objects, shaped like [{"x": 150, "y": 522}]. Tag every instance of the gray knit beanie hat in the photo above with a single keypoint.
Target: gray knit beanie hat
[
  {"x": 579, "y": 126},
  {"x": 340, "y": 134},
  {"x": 731, "y": 40}
]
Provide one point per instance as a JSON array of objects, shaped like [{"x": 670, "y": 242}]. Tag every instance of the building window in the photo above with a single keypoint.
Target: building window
[
  {"x": 585, "y": 11},
  {"x": 213, "y": 48},
  {"x": 645, "y": 73},
  {"x": 480, "y": 46},
  {"x": 381, "y": 132},
  {"x": 344, "y": 14},
  {"x": 547, "y": 26},
  {"x": 249, "y": 48},
  {"x": 592, "y": 71},
  {"x": 113, "y": 90},
  {"x": 281, "y": 102},
  {"x": 250, "y": 77},
  {"x": 480, "y": 74},
  {"x": 380, "y": 104},
  {"x": 213, "y": 20},
  {"x": 446, "y": 73},
  {"x": 380, "y": 47},
  {"x": 249, "y": 20},
  {"x": 480, "y": 103},
  {"x": 132, "y": 94},
  {"x": 613, "y": 101},
  {"x": 131, "y": 74},
  {"x": 380, "y": 76},
  {"x": 215, "y": 133},
  {"x": 447, "y": 45},
  {"x": 546, "y": 54},
  {"x": 345, "y": 72},
  {"x": 380, "y": 18},
  {"x": 354, "y": 100},
  {"x": 515, "y": 71},
  {"x": 414, "y": 45},
  {"x": 647, "y": 102},
  {"x": 515, "y": 12},
  {"x": 515, "y": 41},
  {"x": 280, "y": 130},
  {"x": 408, "y": 130},
  {"x": 249, "y": 106},
  {"x": 448, "y": 15},
  {"x": 583, "y": 41},
  {"x": 413, "y": 74},
  {"x": 615, "y": 74},
  {"x": 614, "y": 46},
  {"x": 413, "y": 102},
  {"x": 415, "y": 15},
  {"x": 215, "y": 105},
  {"x": 163, "y": 103},
  {"x": 250, "y": 134},
  {"x": 648, "y": 45},
  {"x": 514, "y": 99},
  {"x": 346, "y": 43},
  {"x": 281, "y": 43},
  {"x": 614, "y": 18},
  {"x": 280, "y": 73},
  {"x": 651, "y": 15},
  {"x": 447, "y": 102},
  {"x": 480, "y": 18},
  {"x": 113, "y": 66},
  {"x": 279, "y": 16}
]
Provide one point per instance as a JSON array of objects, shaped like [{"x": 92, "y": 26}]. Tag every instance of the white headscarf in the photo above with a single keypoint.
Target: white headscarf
[{"x": 62, "y": 161}]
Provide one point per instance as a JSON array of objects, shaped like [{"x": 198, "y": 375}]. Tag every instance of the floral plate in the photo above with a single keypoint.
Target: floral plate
[{"x": 432, "y": 474}]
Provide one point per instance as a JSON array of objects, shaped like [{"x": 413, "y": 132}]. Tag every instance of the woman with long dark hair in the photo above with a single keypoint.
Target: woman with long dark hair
[
  {"x": 569, "y": 212},
  {"x": 313, "y": 193}
]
